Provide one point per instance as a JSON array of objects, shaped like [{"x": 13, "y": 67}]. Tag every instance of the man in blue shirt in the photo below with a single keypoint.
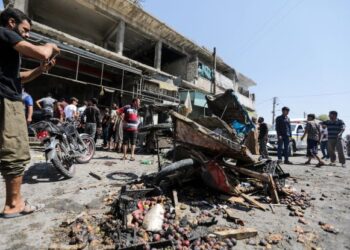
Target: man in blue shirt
[
  {"x": 28, "y": 104},
  {"x": 284, "y": 132},
  {"x": 336, "y": 128}
]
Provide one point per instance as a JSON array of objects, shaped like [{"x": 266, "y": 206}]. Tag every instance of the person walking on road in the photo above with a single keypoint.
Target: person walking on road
[
  {"x": 284, "y": 132},
  {"x": 130, "y": 126},
  {"x": 324, "y": 142},
  {"x": 313, "y": 132},
  {"x": 92, "y": 118},
  {"x": 14, "y": 145},
  {"x": 263, "y": 138},
  {"x": 336, "y": 128}
]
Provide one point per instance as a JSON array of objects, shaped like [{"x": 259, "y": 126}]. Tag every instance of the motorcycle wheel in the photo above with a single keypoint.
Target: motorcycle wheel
[
  {"x": 66, "y": 168},
  {"x": 90, "y": 152}
]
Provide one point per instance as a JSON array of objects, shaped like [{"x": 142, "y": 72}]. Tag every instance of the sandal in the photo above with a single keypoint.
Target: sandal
[
  {"x": 28, "y": 209},
  {"x": 132, "y": 159},
  {"x": 307, "y": 163},
  {"x": 124, "y": 158}
]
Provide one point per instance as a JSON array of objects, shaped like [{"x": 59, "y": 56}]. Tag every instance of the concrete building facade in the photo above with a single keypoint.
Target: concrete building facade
[{"x": 115, "y": 49}]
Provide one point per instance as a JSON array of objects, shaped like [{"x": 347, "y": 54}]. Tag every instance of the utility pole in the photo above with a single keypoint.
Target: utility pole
[
  {"x": 214, "y": 72},
  {"x": 274, "y": 102}
]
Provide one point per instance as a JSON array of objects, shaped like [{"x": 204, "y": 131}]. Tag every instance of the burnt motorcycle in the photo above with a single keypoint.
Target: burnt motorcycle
[{"x": 63, "y": 145}]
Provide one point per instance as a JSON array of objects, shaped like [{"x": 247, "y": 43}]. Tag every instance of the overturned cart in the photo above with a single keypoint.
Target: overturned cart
[{"x": 220, "y": 158}]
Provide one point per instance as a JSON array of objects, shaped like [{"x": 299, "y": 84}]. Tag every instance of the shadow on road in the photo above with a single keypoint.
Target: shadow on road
[
  {"x": 106, "y": 157},
  {"x": 41, "y": 172}
]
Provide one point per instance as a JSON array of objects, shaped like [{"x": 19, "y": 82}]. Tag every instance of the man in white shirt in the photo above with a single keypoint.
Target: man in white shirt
[{"x": 70, "y": 111}]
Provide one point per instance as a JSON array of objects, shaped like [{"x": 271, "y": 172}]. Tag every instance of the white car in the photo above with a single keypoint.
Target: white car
[{"x": 295, "y": 144}]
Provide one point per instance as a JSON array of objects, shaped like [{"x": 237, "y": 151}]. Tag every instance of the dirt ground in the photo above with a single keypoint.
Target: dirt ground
[{"x": 329, "y": 187}]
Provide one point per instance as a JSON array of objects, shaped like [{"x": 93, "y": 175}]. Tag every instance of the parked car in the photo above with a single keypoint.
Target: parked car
[{"x": 296, "y": 144}]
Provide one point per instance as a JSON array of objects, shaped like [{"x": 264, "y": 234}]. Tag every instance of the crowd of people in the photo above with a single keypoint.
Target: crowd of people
[
  {"x": 117, "y": 126},
  {"x": 326, "y": 134}
]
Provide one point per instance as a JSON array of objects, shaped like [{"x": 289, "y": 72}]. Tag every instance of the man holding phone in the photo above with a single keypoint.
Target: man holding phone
[{"x": 14, "y": 145}]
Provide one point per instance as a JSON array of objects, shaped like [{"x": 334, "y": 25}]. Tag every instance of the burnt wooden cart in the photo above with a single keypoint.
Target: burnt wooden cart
[{"x": 194, "y": 135}]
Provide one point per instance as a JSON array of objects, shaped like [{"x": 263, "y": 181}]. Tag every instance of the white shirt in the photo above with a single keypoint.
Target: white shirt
[
  {"x": 70, "y": 110},
  {"x": 324, "y": 134}
]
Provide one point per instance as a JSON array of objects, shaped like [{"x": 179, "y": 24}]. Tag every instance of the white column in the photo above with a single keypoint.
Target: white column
[
  {"x": 119, "y": 46},
  {"x": 21, "y": 5},
  {"x": 158, "y": 55}
]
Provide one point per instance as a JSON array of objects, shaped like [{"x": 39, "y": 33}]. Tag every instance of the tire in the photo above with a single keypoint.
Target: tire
[
  {"x": 91, "y": 148},
  {"x": 67, "y": 170},
  {"x": 173, "y": 167}
]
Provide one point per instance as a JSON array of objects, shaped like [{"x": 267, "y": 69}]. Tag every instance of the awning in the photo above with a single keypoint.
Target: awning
[{"x": 163, "y": 85}]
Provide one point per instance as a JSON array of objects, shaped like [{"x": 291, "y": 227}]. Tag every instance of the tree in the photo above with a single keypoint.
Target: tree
[{"x": 322, "y": 117}]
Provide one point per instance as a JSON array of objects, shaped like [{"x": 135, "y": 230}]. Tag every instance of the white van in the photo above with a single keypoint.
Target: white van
[{"x": 296, "y": 144}]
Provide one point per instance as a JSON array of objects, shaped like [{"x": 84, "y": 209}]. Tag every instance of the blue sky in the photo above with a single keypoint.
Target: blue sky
[{"x": 297, "y": 50}]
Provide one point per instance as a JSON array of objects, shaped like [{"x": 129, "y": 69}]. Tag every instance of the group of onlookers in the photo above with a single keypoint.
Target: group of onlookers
[
  {"x": 328, "y": 134},
  {"x": 116, "y": 125}
]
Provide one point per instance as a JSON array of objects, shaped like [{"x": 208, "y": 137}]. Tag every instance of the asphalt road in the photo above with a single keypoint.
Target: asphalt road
[{"x": 67, "y": 198}]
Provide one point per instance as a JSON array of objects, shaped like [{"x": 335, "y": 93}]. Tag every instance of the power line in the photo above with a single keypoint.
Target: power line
[
  {"x": 263, "y": 33},
  {"x": 317, "y": 95},
  {"x": 264, "y": 101},
  {"x": 263, "y": 26}
]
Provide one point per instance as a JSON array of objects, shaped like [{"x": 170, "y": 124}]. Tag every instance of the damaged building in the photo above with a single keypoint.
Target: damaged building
[{"x": 115, "y": 50}]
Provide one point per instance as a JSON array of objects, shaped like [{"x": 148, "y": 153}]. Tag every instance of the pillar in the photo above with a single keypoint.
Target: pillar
[
  {"x": 21, "y": 5},
  {"x": 119, "y": 46},
  {"x": 158, "y": 55}
]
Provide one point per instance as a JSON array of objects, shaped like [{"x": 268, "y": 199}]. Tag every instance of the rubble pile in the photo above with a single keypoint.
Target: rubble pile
[{"x": 214, "y": 173}]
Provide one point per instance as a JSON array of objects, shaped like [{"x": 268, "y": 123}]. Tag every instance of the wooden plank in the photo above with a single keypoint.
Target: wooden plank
[
  {"x": 260, "y": 176},
  {"x": 175, "y": 198},
  {"x": 239, "y": 234},
  {"x": 253, "y": 201},
  {"x": 273, "y": 190}
]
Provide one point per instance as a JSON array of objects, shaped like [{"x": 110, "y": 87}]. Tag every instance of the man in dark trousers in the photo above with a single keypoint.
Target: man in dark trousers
[
  {"x": 263, "y": 138},
  {"x": 14, "y": 146},
  {"x": 284, "y": 133},
  {"x": 92, "y": 118},
  {"x": 336, "y": 128}
]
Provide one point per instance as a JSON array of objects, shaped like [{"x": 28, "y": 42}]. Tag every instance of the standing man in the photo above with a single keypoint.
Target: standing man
[
  {"x": 70, "y": 111},
  {"x": 14, "y": 145},
  {"x": 28, "y": 106},
  {"x": 46, "y": 105},
  {"x": 284, "y": 132},
  {"x": 336, "y": 128},
  {"x": 92, "y": 118},
  {"x": 130, "y": 126},
  {"x": 263, "y": 138}
]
